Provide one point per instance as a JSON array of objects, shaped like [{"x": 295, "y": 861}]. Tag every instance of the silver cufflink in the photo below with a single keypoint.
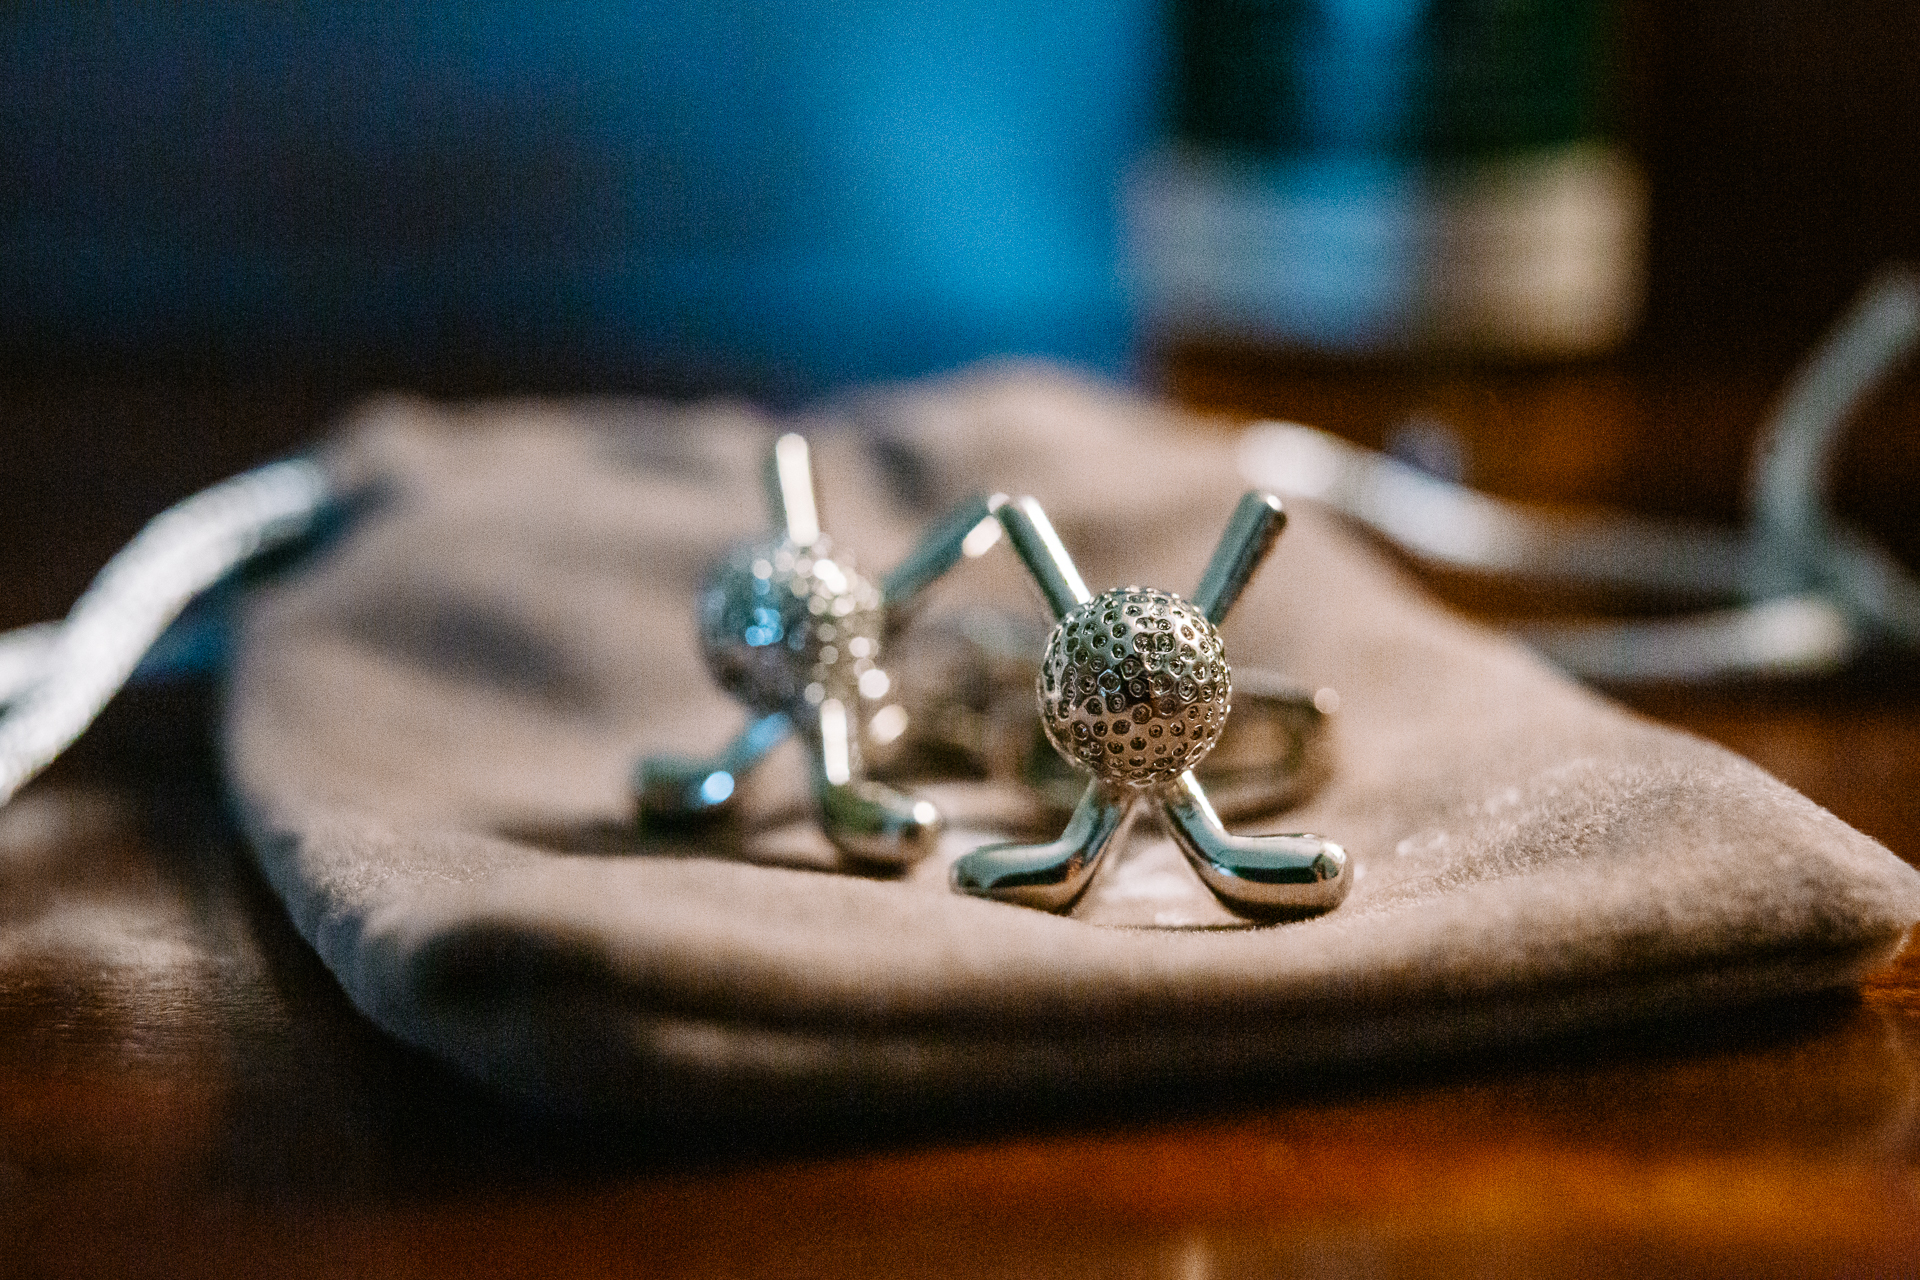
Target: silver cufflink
[
  {"x": 1135, "y": 688},
  {"x": 794, "y": 631}
]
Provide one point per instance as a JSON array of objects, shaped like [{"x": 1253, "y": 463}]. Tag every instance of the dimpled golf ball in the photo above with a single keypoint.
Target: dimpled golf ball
[
  {"x": 1135, "y": 686},
  {"x": 783, "y": 626}
]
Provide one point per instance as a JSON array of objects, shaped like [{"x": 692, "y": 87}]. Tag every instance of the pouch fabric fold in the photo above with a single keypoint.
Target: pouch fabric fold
[{"x": 428, "y": 735}]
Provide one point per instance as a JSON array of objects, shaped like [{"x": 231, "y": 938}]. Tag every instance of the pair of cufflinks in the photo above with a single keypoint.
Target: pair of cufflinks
[{"x": 1133, "y": 689}]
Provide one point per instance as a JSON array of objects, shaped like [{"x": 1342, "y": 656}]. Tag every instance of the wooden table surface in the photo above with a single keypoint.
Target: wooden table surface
[{"x": 184, "y": 1091}]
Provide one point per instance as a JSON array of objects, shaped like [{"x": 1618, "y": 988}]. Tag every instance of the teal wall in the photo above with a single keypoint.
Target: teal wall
[{"x": 808, "y": 191}]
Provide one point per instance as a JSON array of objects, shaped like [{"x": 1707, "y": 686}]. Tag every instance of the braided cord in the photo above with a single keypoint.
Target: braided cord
[{"x": 60, "y": 678}]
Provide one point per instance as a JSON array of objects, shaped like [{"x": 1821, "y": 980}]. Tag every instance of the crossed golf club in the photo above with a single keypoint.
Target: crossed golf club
[
  {"x": 795, "y": 633},
  {"x": 1262, "y": 876}
]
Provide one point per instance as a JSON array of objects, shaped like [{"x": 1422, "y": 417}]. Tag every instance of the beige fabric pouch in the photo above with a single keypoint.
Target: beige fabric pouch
[{"x": 429, "y": 736}]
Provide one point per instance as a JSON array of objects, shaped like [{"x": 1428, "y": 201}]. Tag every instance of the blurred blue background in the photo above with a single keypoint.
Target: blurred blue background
[{"x": 786, "y": 195}]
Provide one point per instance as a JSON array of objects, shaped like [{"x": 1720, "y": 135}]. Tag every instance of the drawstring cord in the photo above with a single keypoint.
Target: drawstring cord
[
  {"x": 1808, "y": 594},
  {"x": 55, "y": 678}
]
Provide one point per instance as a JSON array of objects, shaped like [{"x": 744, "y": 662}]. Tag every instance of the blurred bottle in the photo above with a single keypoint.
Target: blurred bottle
[{"x": 1383, "y": 178}]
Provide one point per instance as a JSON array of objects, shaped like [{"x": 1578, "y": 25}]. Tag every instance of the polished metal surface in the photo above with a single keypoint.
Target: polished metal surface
[
  {"x": 694, "y": 788},
  {"x": 1249, "y": 536},
  {"x": 871, "y": 823},
  {"x": 791, "y": 493},
  {"x": 1266, "y": 875},
  {"x": 1135, "y": 687},
  {"x": 967, "y": 531},
  {"x": 1040, "y": 549},
  {"x": 794, "y": 631},
  {"x": 1052, "y": 876}
]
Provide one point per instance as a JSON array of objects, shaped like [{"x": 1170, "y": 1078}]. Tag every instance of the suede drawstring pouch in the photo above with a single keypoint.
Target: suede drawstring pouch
[{"x": 429, "y": 734}]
